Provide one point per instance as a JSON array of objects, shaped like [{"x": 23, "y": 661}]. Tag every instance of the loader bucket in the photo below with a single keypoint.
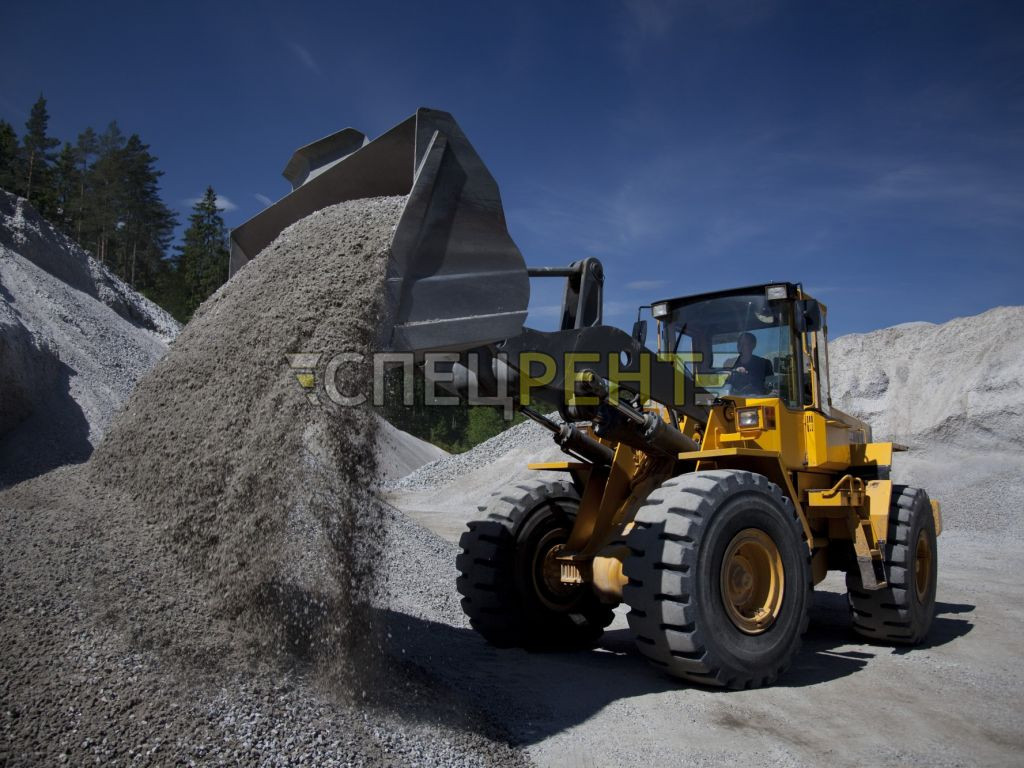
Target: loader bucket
[{"x": 455, "y": 278}]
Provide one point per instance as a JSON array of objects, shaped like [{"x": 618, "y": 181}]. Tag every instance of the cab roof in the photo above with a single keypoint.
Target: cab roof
[{"x": 792, "y": 291}]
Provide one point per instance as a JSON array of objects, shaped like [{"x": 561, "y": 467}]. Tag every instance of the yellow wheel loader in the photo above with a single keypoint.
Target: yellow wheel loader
[{"x": 709, "y": 482}]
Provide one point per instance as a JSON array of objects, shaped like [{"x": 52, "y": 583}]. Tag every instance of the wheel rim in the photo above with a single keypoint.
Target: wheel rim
[
  {"x": 547, "y": 571},
  {"x": 923, "y": 565},
  {"x": 753, "y": 580}
]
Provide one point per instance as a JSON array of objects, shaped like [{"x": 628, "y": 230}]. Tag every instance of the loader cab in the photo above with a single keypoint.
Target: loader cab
[{"x": 759, "y": 341}]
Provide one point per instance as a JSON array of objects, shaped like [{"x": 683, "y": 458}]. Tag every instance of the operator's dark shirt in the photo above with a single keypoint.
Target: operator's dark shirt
[{"x": 751, "y": 382}]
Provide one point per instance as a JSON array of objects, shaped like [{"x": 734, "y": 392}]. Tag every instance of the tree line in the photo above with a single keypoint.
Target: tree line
[
  {"x": 103, "y": 191},
  {"x": 456, "y": 428}
]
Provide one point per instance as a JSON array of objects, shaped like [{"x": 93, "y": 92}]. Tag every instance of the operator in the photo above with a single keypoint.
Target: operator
[{"x": 749, "y": 371}]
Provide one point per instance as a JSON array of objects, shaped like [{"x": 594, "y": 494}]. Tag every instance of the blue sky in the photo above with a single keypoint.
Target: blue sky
[{"x": 872, "y": 150}]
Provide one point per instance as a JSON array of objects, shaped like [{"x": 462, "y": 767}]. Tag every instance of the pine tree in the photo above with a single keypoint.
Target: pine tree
[
  {"x": 10, "y": 157},
  {"x": 106, "y": 196},
  {"x": 38, "y": 153},
  {"x": 203, "y": 260},
  {"x": 86, "y": 148},
  {"x": 147, "y": 224},
  {"x": 66, "y": 185}
]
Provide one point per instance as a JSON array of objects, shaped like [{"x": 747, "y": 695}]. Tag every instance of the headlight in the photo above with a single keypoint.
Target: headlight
[
  {"x": 660, "y": 310},
  {"x": 748, "y": 418}
]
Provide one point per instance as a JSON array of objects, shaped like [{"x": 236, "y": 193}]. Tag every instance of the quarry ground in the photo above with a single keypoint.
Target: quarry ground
[{"x": 952, "y": 701}]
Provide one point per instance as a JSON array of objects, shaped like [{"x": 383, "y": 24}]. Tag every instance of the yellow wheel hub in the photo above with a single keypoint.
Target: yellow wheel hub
[
  {"x": 923, "y": 565},
  {"x": 547, "y": 572},
  {"x": 752, "y": 581}
]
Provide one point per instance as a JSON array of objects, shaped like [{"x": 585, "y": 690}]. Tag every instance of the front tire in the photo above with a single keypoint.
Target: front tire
[
  {"x": 902, "y": 612},
  {"x": 719, "y": 579},
  {"x": 510, "y": 584}
]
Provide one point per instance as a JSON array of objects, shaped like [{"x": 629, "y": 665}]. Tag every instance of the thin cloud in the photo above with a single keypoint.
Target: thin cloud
[
  {"x": 652, "y": 18},
  {"x": 659, "y": 21},
  {"x": 223, "y": 203},
  {"x": 263, "y": 198},
  {"x": 645, "y": 285},
  {"x": 619, "y": 308},
  {"x": 546, "y": 310},
  {"x": 947, "y": 182},
  {"x": 305, "y": 57}
]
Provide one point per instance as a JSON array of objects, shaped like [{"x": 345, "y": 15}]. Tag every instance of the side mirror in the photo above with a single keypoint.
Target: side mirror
[
  {"x": 808, "y": 315},
  {"x": 640, "y": 332}
]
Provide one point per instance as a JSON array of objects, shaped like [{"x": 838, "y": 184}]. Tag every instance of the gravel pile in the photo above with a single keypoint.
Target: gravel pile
[
  {"x": 526, "y": 439},
  {"x": 24, "y": 232},
  {"x": 211, "y": 585},
  {"x": 399, "y": 453},
  {"x": 954, "y": 393},
  {"x": 255, "y": 488},
  {"x": 959, "y": 384},
  {"x": 74, "y": 340}
]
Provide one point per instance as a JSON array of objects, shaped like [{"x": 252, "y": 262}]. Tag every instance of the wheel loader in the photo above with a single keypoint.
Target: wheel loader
[{"x": 708, "y": 482}]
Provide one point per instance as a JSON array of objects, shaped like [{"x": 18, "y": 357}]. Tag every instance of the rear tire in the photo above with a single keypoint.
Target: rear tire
[
  {"x": 903, "y": 611},
  {"x": 719, "y": 579},
  {"x": 502, "y": 576}
]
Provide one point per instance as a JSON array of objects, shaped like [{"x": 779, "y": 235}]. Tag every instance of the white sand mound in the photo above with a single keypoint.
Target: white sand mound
[
  {"x": 955, "y": 394},
  {"x": 74, "y": 340},
  {"x": 958, "y": 384}
]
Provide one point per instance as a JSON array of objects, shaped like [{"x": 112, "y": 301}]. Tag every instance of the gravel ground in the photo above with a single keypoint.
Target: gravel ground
[
  {"x": 80, "y": 684},
  {"x": 207, "y": 587},
  {"x": 954, "y": 701}
]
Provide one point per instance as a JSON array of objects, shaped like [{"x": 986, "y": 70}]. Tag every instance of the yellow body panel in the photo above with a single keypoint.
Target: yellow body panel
[
  {"x": 806, "y": 440},
  {"x": 557, "y": 466}
]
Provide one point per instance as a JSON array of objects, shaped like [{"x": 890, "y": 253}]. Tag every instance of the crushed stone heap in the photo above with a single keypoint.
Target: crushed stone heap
[{"x": 204, "y": 587}]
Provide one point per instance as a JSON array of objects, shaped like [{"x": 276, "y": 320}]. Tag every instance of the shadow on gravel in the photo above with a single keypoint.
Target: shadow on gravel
[
  {"x": 830, "y": 627},
  {"x": 944, "y": 629},
  {"x": 525, "y": 696},
  {"x": 535, "y": 695},
  {"x": 54, "y": 431}
]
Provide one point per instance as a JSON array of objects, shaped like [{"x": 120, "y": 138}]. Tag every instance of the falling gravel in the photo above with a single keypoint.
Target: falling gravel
[
  {"x": 210, "y": 586},
  {"x": 259, "y": 492}
]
